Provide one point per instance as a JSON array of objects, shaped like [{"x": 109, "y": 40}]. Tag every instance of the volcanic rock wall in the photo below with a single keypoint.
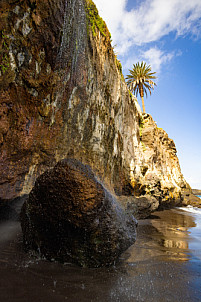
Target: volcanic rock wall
[
  {"x": 63, "y": 95},
  {"x": 162, "y": 173}
]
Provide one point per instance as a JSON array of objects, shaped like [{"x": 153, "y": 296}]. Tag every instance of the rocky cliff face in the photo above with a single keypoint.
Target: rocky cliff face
[
  {"x": 63, "y": 95},
  {"x": 161, "y": 169}
]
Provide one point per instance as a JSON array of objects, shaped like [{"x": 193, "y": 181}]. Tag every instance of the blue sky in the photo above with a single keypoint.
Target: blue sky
[{"x": 167, "y": 35}]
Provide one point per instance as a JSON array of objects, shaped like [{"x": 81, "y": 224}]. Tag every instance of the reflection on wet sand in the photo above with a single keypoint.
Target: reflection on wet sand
[
  {"x": 151, "y": 270},
  {"x": 174, "y": 229},
  {"x": 159, "y": 265},
  {"x": 166, "y": 236}
]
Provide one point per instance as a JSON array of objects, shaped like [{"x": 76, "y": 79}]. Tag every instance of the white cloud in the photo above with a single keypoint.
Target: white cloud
[
  {"x": 152, "y": 20},
  {"x": 149, "y": 22},
  {"x": 153, "y": 56}
]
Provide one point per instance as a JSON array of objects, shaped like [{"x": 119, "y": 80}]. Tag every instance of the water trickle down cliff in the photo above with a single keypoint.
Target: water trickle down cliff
[
  {"x": 63, "y": 95},
  {"x": 74, "y": 18}
]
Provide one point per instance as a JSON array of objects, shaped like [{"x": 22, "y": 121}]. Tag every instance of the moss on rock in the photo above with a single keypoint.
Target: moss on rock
[{"x": 95, "y": 21}]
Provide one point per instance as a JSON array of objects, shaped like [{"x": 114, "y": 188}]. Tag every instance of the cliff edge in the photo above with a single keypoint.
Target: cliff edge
[{"x": 63, "y": 95}]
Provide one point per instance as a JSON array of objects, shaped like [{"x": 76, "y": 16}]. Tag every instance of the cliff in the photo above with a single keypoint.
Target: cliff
[
  {"x": 163, "y": 177},
  {"x": 63, "y": 95}
]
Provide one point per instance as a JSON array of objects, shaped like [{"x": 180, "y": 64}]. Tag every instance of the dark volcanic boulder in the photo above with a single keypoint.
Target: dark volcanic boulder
[{"x": 70, "y": 216}]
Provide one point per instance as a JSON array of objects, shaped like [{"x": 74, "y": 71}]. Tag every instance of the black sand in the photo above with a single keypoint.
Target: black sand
[{"x": 163, "y": 265}]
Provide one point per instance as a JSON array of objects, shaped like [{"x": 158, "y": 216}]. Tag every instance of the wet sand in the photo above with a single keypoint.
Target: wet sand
[{"x": 163, "y": 265}]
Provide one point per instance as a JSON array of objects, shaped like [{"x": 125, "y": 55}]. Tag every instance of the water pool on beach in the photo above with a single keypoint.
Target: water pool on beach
[{"x": 163, "y": 265}]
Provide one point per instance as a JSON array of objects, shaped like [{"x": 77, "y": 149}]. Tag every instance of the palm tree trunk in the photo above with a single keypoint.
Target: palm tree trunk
[
  {"x": 141, "y": 91},
  {"x": 143, "y": 106}
]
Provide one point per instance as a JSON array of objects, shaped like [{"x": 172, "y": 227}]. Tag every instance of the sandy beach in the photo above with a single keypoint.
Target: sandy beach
[
  {"x": 163, "y": 265},
  {"x": 167, "y": 257}
]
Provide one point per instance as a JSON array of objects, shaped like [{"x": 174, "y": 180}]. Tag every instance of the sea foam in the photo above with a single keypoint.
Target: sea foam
[{"x": 191, "y": 209}]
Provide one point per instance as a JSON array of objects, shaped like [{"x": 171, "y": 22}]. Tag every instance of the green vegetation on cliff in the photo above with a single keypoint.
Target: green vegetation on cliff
[
  {"x": 119, "y": 66},
  {"x": 4, "y": 55},
  {"x": 96, "y": 24},
  {"x": 141, "y": 125},
  {"x": 95, "y": 20}
]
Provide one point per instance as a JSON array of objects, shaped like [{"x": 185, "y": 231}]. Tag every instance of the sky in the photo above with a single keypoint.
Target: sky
[{"x": 166, "y": 35}]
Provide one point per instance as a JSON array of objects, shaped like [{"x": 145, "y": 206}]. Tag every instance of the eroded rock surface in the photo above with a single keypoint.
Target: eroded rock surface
[
  {"x": 161, "y": 173},
  {"x": 70, "y": 216},
  {"x": 63, "y": 95},
  {"x": 140, "y": 207}
]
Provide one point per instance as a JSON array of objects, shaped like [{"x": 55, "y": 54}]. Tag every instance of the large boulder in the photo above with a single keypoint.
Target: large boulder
[{"x": 70, "y": 216}]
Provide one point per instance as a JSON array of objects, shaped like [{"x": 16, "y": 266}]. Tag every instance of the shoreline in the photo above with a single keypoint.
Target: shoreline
[
  {"x": 168, "y": 249},
  {"x": 163, "y": 265}
]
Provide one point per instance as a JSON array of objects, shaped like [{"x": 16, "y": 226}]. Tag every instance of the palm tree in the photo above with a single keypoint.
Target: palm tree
[{"x": 140, "y": 80}]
